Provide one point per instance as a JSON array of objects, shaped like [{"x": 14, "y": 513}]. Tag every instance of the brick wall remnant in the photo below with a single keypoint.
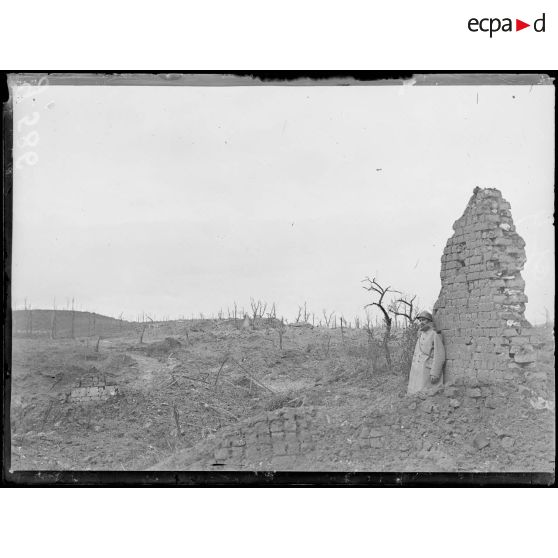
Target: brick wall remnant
[
  {"x": 276, "y": 437},
  {"x": 272, "y": 441},
  {"x": 480, "y": 310},
  {"x": 98, "y": 393},
  {"x": 91, "y": 386}
]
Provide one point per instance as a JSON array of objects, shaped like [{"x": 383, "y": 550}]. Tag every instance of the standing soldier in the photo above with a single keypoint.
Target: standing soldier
[{"x": 429, "y": 357}]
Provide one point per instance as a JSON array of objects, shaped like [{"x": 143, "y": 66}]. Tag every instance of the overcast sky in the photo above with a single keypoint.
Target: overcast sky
[{"x": 181, "y": 200}]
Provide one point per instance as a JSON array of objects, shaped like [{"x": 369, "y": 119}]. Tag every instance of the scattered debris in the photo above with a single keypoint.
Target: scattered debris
[{"x": 480, "y": 441}]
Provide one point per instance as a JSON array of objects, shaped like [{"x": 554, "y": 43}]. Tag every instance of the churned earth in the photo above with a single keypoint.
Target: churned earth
[{"x": 211, "y": 395}]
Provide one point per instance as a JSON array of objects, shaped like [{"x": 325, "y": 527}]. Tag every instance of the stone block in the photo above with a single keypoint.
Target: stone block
[
  {"x": 291, "y": 438},
  {"x": 262, "y": 427},
  {"x": 289, "y": 426},
  {"x": 536, "y": 376},
  {"x": 304, "y": 436},
  {"x": 293, "y": 448},
  {"x": 264, "y": 438},
  {"x": 480, "y": 441},
  {"x": 289, "y": 413},
  {"x": 221, "y": 454},
  {"x": 253, "y": 453},
  {"x": 251, "y": 439},
  {"x": 237, "y": 453},
  {"x": 279, "y": 448},
  {"x": 306, "y": 447},
  {"x": 276, "y": 426},
  {"x": 525, "y": 357}
]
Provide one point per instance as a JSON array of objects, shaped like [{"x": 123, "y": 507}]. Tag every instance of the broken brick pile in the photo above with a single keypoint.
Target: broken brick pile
[
  {"x": 481, "y": 306},
  {"x": 273, "y": 438},
  {"x": 270, "y": 441}
]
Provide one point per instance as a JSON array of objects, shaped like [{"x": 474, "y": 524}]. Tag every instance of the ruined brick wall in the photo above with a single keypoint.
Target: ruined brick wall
[
  {"x": 480, "y": 310},
  {"x": 271, "y": 441},
  {"x": 275, "y": 437},
  {"x": 90, "y": 386}
]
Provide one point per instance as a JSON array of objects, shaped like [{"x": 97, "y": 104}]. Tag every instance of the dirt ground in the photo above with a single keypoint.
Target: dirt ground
[{"x": 186, "y": 383}]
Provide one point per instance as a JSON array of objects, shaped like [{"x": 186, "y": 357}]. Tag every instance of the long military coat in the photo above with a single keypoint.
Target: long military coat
[{"x": 428, "y": 360}]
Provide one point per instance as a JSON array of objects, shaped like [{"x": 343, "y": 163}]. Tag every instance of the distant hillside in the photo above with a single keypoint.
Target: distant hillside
[{"x": 39, "y": 323}]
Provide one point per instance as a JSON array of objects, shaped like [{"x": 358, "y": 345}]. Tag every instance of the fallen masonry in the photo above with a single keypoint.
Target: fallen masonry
[
  {"x": 271, "y": 441},
  {"x": 440, "y": 431}
]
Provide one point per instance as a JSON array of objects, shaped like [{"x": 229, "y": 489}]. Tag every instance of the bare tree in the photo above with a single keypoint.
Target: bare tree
[
  {"x": 298, "y": 316},
  {"x": 373, "y": 286},
  {"x": 272, "y": 314},
  {"x": 405, "y": 308},
  {"x": 306, "y": 313},
  {"x": 258, "y": 310},
  {"x": 145, "y": 324},
  {"x": 327, "y": 319}
]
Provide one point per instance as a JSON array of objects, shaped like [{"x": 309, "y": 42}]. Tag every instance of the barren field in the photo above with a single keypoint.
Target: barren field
[{"x": 208, "y": 395}]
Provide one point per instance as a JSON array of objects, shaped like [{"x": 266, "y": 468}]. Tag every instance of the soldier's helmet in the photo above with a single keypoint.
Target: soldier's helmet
[{"x": 426, "y": 315}]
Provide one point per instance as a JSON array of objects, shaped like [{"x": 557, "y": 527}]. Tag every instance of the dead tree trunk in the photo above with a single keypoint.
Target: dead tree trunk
[
  {"x": 142, "y": 332},
  {"x": 73, "y": 320},
  {"x": 53, "y": 322},
  {"x": 373, "y": 286},
  {"x": 281, "y": 332}
]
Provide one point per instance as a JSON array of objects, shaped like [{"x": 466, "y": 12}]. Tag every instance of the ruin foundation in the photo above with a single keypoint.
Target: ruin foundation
[
  {"x": 91, "y": 386},
  {"x": 480, "y": 310}
]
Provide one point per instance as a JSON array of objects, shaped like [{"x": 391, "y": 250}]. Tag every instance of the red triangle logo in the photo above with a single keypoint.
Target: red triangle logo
[{"x": 519, "y": 25}]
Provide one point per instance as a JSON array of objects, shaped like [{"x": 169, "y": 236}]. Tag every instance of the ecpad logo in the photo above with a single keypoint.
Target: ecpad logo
[{"x": 493, "y": 25}]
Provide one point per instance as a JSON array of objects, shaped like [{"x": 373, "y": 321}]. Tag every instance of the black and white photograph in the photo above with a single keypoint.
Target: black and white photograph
[{"x": 226, "y": 272}]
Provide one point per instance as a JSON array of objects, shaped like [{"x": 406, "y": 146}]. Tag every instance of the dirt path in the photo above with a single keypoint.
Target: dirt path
[{"x": 148, "y": 371}]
